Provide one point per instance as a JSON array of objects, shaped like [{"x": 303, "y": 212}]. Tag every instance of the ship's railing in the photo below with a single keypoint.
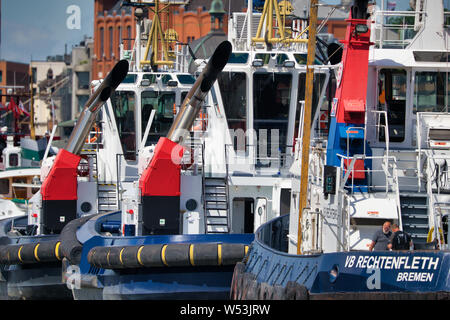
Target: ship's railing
[
  {"x": 395, "y": 29},
  {"x": 193, "y": 159},
  {"x": 274, "y": 233},
  {"x": 388, "y": 171},
  {"x": 442, "y": 211},
  {"x": 437, "y": 169}
]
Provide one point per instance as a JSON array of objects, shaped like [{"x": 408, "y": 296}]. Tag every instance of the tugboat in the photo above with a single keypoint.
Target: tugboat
[
  {"x": 181, "y": 228},
  {"x": 108, "y": 142},
  {"x": 384, "y": 160},
  {"x": 30, "y": 255}
]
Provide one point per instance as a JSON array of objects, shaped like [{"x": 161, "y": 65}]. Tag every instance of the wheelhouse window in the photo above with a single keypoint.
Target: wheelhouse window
[
  {"x": 431, "y": 92},
  {"x": 392, "y": 99},
  {"x": 13, "y": 160},
  {"x": 123, "y": 103},
  {"x": 271, "y": 94},
  {"x": 233, "y": 88},
  {"x": 318, "y": 82},
  {"x": 163, "y": 103}
]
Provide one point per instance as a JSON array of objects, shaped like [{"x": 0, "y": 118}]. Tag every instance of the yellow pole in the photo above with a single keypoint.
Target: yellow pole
[
  {"x": 307, "y": 117},
  {"x": 270, "y": 21},
  {"x": 280, "y": 23},
  {"x": 261, "y": 21}
]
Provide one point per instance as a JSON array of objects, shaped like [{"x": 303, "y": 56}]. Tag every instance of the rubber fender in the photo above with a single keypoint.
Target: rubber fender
[
  {"x": 150, "y": 256},
  {"x": 205, "y": 254},
  {"x": 12, "y": 254},
  {"x": 237, "y": 273},
  {"x": 252, "y": 290},
  {"x": 246, "y": 281},
  {"x": 112, "y": 257},
  {"x": 27, "y": 253},
  {"x": 98, "y": 256},
  {"x": 128, "y": 257},
  {"x": 71, "y": 248},
  {"x": 296, "y": 291},
  {"x": 279, "y": 292},
  {"x": 265, "y": 291},
  {"x": 47, "y": 251},
  {"x": 176, "y": 255},
  {"x": 232, "y": 253},
  {"x": 3, "y": 256},
  {"x": 170, "y": 255}
]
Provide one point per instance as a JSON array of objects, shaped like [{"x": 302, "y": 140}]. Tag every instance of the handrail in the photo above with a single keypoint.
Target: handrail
[
  {"x": 386, "y": 127},
  {"x": 433, "y": 206},
  {"x": 379, "y": 18}
]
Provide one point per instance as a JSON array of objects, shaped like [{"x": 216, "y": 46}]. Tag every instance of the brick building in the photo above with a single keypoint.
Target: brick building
[{"x": 114, "y": 25}]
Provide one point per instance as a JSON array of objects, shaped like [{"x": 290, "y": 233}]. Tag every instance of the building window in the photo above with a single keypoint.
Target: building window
[
  {"x": 129, "y": 38},
  {"x": 119, "y": 37},
  {"x": 111, "y": 52},
  {"x": 4, "y": 186},
  {"x": 102, "y": 52},
  {"x": 1, "y": 76},
  {"x": 13, "y": 160},
  {"x": 33, "y": 75},
  {"x": 82, "y": 99},
  {"x": 83, "y": 80}
]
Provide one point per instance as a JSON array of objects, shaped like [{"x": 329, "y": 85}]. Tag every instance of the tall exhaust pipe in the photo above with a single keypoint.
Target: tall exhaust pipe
[
  {"x": 92, "y": 106},
  {"x": 59, "y": 189},
  {"x": 192, "y": 103},
  {"x": 159, "y": 212}
]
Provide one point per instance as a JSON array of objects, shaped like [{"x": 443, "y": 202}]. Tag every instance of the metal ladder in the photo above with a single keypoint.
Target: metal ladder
[
  {"x": 215, "y": 204},
  {"x": 107, "y": 199},
  {"x": 415, "y": 216}
]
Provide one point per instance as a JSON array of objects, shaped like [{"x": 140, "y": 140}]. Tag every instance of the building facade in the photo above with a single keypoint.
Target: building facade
[
  {"x": 115, "y": 25},
  {"x": 51, "y": 91},
  {"x": 81, "y": 66}
]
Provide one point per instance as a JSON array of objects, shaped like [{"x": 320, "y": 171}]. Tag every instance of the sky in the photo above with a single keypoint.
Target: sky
[{"x": 35, "y": 29}]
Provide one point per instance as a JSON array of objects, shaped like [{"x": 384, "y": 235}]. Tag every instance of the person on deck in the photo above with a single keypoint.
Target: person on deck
[
  {"x": 400, "y": 240},
  {"x": 381, "y": 238}
]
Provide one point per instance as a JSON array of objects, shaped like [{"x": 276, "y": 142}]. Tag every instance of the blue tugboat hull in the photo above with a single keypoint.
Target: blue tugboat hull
[
  {"x": 190, "y": 283},
  {"x": 30, "y": 281},
  {"x": 150, "y": 283},
  {"x": 41, "y": 282},
  {"x": 343, "y": 275}
]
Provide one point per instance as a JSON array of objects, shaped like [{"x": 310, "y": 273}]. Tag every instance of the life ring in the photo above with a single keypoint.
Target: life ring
[
  {"x": 203, "y": 122},
  {"x": 94, "y": 138},
  {"x": 431, "y": 235},
  {"x": 323, "y": 119}
]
